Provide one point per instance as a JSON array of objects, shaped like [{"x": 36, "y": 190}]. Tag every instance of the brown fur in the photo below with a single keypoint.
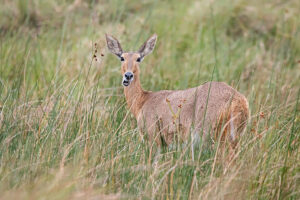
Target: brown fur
[
  {"x": 238, "y": 113},
  {"x": 167, "y": 115},
  {"x": 195, "y": 110},
  {"x": 134, "y": 94}
]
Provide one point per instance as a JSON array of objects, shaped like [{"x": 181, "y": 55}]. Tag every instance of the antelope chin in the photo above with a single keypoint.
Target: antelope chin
[{"x": 125, "y": 83}]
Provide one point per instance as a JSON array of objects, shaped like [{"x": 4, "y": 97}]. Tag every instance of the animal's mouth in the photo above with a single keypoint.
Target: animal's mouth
[{"x": 125, "y": 83}]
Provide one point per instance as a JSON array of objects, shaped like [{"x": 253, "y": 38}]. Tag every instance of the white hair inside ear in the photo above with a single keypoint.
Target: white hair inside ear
[
  {"x": 113, "y": 45},
  {"x": 148, "y": 46}
]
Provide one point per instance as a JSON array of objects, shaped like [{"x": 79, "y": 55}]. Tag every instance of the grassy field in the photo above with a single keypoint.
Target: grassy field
[{"x": 65, "y": 130}]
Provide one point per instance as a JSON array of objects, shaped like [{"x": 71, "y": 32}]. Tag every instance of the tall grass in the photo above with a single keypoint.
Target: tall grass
[{"x": 65, "y": 130}]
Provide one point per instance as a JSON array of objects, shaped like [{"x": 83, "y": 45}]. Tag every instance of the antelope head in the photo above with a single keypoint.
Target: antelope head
[{"x": 130, "y": 61}]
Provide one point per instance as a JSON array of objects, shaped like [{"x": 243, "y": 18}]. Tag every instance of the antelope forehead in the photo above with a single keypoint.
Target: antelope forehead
[{"x": 130, "y": 63}]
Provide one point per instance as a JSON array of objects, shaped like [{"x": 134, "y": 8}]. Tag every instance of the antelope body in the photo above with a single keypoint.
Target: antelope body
[{"x": 213, "y": 107}]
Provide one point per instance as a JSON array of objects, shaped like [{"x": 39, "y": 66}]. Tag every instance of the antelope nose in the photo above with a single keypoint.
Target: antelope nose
[{"x": 128, "y": 75}]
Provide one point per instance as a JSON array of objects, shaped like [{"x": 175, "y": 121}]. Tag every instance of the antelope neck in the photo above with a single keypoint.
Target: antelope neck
[{"x": 135, "y": 96}]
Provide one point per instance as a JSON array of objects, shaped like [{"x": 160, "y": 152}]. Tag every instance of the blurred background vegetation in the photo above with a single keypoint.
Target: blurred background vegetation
[{"x": 65, "y": 131}]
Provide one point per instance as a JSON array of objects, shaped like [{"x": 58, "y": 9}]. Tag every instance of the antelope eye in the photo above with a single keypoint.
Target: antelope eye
[
  {"x": 138, "y": 60},
  {"x": 122, "y": 58}
]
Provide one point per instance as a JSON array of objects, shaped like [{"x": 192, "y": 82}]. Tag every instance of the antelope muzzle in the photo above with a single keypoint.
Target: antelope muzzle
[{"x": 127, "y": 79}]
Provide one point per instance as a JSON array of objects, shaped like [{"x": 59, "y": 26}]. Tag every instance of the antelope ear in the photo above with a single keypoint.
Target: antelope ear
[
  {"x": 148, "y": 46},
  {"x": 113, "y": 45}
]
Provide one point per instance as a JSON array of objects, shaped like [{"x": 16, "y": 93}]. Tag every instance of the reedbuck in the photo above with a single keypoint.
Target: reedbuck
[{"x": 213, "y": 107}]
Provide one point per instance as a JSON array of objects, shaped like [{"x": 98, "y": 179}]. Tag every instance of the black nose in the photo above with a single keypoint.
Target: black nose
[{"x": 128, "y": 75}]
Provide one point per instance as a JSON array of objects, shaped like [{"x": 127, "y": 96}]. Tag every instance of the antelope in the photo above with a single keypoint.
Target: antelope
[{"x": 211, "y": 107}]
